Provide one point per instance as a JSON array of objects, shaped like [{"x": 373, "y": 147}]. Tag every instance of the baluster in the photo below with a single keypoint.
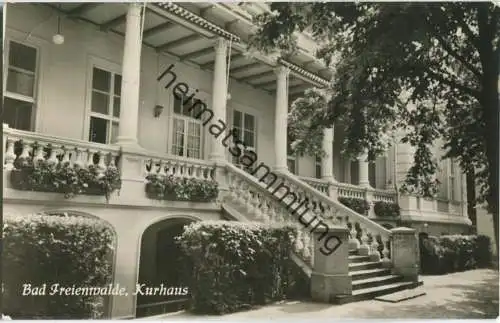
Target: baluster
[
  {"x": 77, "y": 160},
  {"x": 386, "y": 252},
  {"x": 66, "y": 151},
  {"x": 112, "y": 163},
  {"x": 272, "y": 213},
  {"x": 364, "y": 249},
  {"x": 53, "y": 155},
  {"x": 298, "y": 241},
  {"x": 102, "y": 163},
  {"x": 38, "y": 155},
  {"x": 353, "y": 241},
  {"x": 195, "y": 173},
  {"x": 25, "y": 154},
  {"x": 374, "y": 253},
  {"x": 306, "y": 252},
  {"x": 257, "y": 207},
  {"x": 161, "y": 169},
  {"x": 10, "y": 156}
]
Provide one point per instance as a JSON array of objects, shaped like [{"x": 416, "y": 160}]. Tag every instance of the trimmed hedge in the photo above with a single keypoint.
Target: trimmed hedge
[
  {"x": 233, "y": 266},
  {"x": 452, "y": 253},
  {"x": 386, "y": 209},
  {"x": 48, "y": 249},
  {"x": 359, "y": 205}
]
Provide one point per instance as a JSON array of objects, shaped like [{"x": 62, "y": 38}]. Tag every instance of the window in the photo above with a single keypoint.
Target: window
[
  {"x": 104, "y": 106},
  {"x": 187, "y": 134},
  {"x": 244, "y": 126},
  {"x": 317, "y": 164},
  {"x": 452, "y": 181},
  {"x": 20, "y": 91}
]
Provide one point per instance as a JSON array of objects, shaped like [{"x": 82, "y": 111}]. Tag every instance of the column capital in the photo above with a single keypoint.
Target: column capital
[
  {"x": 281, "y": 71},
  {"x": 220, "y": 46},
  {"x": 135, "y": 8}
]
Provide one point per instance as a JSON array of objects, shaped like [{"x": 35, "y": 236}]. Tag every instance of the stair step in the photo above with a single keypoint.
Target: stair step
[
  {"x": 375, "y": 281},
  {"x": 353, "y": 252},
  {"x": 357, "y": 259},
  {"x": 364, "y": 265},
  {"x": 363, "y": 274},
  {"x": 372, "y": 292}
]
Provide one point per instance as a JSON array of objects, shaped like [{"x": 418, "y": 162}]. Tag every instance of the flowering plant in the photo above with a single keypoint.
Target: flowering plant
[{"x": 173, "y": 188}]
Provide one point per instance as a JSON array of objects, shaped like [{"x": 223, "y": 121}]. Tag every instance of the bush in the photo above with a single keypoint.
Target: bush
[
  {"x": 233, "y": 265},
  {"x": 386, "y": 209},
  {"x": 447, "y": 254},
  {"x": 181, "y": 189},
  {"x": 43, "y": 249},
  {"x": 359, "y": 205},
  {"x": 64, "y": 178}
]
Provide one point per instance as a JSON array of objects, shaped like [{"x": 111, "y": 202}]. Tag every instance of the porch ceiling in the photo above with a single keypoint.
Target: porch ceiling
[{"x": 180, "y": 37}]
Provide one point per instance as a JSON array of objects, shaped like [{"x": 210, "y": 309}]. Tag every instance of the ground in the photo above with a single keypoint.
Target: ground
[{"x": 470, "y": 294}]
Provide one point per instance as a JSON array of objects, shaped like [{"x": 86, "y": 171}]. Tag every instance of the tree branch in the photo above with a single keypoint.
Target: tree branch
[
  {"x": 439, "y": 77},
  {"x": 475, "y": 40},
  {"x": 457, "y": 56}
]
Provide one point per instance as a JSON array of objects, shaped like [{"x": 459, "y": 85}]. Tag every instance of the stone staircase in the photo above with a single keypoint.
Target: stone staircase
[
  {"x": 371, "y": 279},
  {"x": 370, "y": 265}
]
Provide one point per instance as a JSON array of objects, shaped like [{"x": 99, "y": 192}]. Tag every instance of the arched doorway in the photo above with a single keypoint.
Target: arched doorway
[{"x": 161, "y": 284}]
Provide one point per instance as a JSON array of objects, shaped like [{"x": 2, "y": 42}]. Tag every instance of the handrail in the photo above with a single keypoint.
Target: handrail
[
  {"x": 323, "y": 198},
  {"x": 35, "y": 136}
]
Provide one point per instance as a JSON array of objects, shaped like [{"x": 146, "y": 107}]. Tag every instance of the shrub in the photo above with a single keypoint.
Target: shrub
[
  {"x": 180, "y": 188},
  {"x": 386, "y": 209},
  {"x": 43, "y": 249},
  {"x": 64, "y": 178},
  {"x": 446, "y": 254},
  {"x": 359, "y": 205},
  {"x": 234, "y": 265}
]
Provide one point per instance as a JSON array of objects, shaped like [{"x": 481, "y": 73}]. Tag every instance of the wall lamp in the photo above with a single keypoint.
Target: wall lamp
[{"x": 157, "y": 111}]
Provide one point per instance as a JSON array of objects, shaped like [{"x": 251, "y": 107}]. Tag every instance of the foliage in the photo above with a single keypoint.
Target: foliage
[
  {"x": 386, "y": 209},
  {"x": 181, "y": 188},
  {"x": 44, "y": 249},
  {"x": 414, "y": 71},
  {"x": 446, "y": 254},
  {"x": 65, "y": 178},
  {"x": 234, "y": 265},
  {"x": 359, "y": 205}
]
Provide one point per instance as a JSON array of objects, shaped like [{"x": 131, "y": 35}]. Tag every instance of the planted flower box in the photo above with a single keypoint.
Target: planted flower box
[
  {"x": 172, "y": 188},
  {"x": 63, "y": 177}
]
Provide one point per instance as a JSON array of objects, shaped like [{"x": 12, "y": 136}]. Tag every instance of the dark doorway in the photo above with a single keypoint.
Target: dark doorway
[{"x": 162, "y": 284}]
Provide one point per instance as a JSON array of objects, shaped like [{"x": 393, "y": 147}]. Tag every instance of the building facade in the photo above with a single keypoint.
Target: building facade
[{"x": 108, "y": 88}]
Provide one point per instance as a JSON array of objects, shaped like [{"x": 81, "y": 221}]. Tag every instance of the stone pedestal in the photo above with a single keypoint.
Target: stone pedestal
[
  {"x": 330, "y": 276},
  {"x": 405, "y": 253}
]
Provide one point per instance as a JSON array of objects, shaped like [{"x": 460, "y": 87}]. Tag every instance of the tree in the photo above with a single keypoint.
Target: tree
[{"x": 428, "y": 68}]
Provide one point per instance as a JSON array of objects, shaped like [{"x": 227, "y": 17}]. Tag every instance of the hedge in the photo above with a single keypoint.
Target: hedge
[
  {"x": 233, "y": 266},
  {"x": 359, "y": 205},
  {"x": 452, "y": 253},
  {"x": 48, "y": 249}
]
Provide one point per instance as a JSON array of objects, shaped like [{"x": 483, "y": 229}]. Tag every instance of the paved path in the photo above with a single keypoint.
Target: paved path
[{"x": 470, "y": 294}]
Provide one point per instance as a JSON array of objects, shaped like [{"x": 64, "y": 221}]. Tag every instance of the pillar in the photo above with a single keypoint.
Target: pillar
[
  {"x": 363, "y": 170},
  {"x": 280, "y": 119},
  {"x": 219, "y": 98},
  {"x": 327, "y": 160},
  {"x": 131, "y": 73},
  {"x": 405, "y": 253},
  {"x": 330, "y": 273}
]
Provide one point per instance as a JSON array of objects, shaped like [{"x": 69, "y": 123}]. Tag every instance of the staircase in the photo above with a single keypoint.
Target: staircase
[{"x": 370, "y": 265}]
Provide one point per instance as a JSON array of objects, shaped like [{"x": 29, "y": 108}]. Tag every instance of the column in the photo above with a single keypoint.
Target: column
[
  {"x": 327, "y": 161},
  {"x": 363, "y": 170},
  {"x": 219, "y": 97},
  {"x": 131, "y": 73},
  {"x": 280, "y": 119}
]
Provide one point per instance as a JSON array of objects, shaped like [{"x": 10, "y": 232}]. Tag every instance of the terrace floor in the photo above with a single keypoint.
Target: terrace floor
[{"x": 469, "y": 294}]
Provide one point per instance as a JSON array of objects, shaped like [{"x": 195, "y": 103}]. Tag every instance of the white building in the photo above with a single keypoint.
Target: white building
[{"x": 96, "y": 91}]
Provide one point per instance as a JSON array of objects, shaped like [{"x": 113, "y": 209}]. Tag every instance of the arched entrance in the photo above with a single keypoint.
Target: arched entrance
[{"x": 161, "y": 286}]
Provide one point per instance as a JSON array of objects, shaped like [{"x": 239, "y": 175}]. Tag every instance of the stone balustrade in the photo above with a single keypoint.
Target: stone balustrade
[
  {"x": 371, "y": 238},
  {"x": 178, "y": 167},
  {"x": 253, "y": 199},
  {"x": 19, "y": 144}
]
